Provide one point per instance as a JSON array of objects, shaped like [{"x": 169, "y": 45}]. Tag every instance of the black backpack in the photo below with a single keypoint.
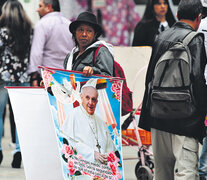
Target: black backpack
[{"x": 171, "y": 95}]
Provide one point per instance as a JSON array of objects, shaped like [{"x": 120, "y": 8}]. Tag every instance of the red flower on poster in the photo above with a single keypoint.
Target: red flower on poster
[
  {"x": 113, "y": 162},
  {"x": 71, "y": 166},
  {"x": 75, "y": 161},
  {"x": 67, "y": 150},
  {"x": 112, "y": 157}
]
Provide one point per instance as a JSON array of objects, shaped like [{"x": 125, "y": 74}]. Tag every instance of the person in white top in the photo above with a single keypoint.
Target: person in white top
[
  {"x": 86, "y": 131},
  {"x": 52, "y": 40}
]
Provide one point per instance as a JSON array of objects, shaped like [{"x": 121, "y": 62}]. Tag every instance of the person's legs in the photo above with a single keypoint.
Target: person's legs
[
  {"x": 202, "y": 169},
  {"x": 164, "y": 160},
  {"x": 4, "y": 116},
  {"x": 17, "y": 141},
  {"x": 3, "y": 101},
  {"x": 185, "y": 150},
  {"x": 12, "y": 123},
  {"x": 17, "y": 158}
]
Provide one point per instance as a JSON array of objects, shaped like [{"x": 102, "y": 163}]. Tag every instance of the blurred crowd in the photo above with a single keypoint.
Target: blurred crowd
[{"x": 71, "y": 43}]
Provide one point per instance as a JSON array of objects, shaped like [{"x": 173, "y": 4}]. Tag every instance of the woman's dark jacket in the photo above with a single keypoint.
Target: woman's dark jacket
[
  {"x": 103, "y": 63},
  {"x": 193, "y": 126},
  {"x": 146, "y": 31}
]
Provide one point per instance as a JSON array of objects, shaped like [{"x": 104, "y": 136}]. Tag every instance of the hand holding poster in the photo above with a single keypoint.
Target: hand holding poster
[{"x": 86, "y": 114}]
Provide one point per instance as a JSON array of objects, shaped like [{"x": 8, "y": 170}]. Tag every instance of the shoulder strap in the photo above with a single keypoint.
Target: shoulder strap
[
  {"x": 96, "y": 52},
  {"x": 189, "y": 37},
  {"x": 66, "y": 61}
]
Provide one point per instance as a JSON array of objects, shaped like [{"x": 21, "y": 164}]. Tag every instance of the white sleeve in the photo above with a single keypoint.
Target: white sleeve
[{"x": 68, "y": 130}]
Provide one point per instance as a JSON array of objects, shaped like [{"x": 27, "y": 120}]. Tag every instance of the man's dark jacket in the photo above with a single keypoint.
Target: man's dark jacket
[{"x": 193, "y": 126}]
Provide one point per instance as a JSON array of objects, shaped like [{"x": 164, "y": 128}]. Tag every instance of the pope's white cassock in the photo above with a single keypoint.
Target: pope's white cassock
[{"x": 85, "y": 132}]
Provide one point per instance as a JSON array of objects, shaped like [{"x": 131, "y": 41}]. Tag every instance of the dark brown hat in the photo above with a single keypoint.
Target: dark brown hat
[{"x": 88, "y": 18}]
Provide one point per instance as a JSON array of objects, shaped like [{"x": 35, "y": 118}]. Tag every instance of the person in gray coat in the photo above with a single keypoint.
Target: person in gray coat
[{"x": 90, "y": 55}]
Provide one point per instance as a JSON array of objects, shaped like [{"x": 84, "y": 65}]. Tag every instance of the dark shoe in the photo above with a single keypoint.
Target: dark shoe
[
  {"x": 1, "y": 156},
  {"x": 17, "y": 159}
]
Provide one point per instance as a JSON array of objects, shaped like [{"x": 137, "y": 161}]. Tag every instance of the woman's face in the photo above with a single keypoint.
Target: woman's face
[
  {"x": 85, "y": 35},
  {"x": 161, "y": 8}
]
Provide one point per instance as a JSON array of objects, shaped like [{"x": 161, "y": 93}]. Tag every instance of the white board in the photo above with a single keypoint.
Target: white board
[{"x": 36, "y": 134}]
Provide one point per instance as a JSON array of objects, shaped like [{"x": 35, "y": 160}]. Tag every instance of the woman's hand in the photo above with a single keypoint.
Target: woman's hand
[{"x": 87, "y": 71}]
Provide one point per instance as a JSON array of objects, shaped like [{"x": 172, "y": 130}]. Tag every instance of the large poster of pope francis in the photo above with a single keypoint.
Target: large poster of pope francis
[{"x": 86, "y": 114}]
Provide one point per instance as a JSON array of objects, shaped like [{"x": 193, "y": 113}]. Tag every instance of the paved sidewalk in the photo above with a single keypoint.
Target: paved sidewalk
[{"x": 6, "y": 171}]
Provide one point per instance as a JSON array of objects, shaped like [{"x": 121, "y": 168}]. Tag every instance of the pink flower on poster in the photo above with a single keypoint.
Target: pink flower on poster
[
  {"x": 67, "y": 150},
  {"x": 70, "y": 163},
  {"x": 116, "y": 88},
  {"x": 113, "y": 163},
  {"x": 47, "y": 76},
  {"x": 77, "y": 165},
  {"x": 71, "y": 166}
]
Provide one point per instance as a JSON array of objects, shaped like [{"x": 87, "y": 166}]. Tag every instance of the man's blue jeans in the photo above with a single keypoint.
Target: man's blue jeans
[
  {"x": 3, "y": 102},
  {"x": 203, "y": 160}
]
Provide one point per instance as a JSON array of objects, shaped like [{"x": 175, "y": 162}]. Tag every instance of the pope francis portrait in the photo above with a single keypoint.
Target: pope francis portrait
[{"x": 86, "y": 131}]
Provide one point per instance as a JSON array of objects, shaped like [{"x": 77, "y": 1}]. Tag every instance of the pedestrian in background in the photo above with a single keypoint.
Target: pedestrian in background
[
  {"x": 157, "y": 17},
  {"x": 11, "y": 115},
  {"x": 15, "y": 38},
  {"x": 175, "y": 139},
  {"x": 52, "y": 40}
]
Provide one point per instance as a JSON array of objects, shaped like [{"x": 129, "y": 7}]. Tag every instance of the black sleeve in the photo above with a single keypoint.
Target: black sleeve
[
  {"x": 199, "y": 60},
  {"x": 140, "y": 35}
]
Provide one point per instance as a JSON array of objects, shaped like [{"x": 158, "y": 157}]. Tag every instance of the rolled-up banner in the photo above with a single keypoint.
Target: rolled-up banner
[{"x": 36, "y": 132}]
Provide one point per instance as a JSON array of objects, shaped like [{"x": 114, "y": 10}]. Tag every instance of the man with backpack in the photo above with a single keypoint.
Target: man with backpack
[{"x": 175, "y": 99}]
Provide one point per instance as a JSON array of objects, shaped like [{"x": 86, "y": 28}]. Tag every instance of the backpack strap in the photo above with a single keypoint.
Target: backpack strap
[
  {"x": 96, "y": 52},
  {"x": 189, "y": 37}
]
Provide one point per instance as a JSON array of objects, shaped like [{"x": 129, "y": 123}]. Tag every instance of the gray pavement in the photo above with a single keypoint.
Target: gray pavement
[
  {"x": 6, "y": 171},
  {"x": 130, "y": 160}
]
